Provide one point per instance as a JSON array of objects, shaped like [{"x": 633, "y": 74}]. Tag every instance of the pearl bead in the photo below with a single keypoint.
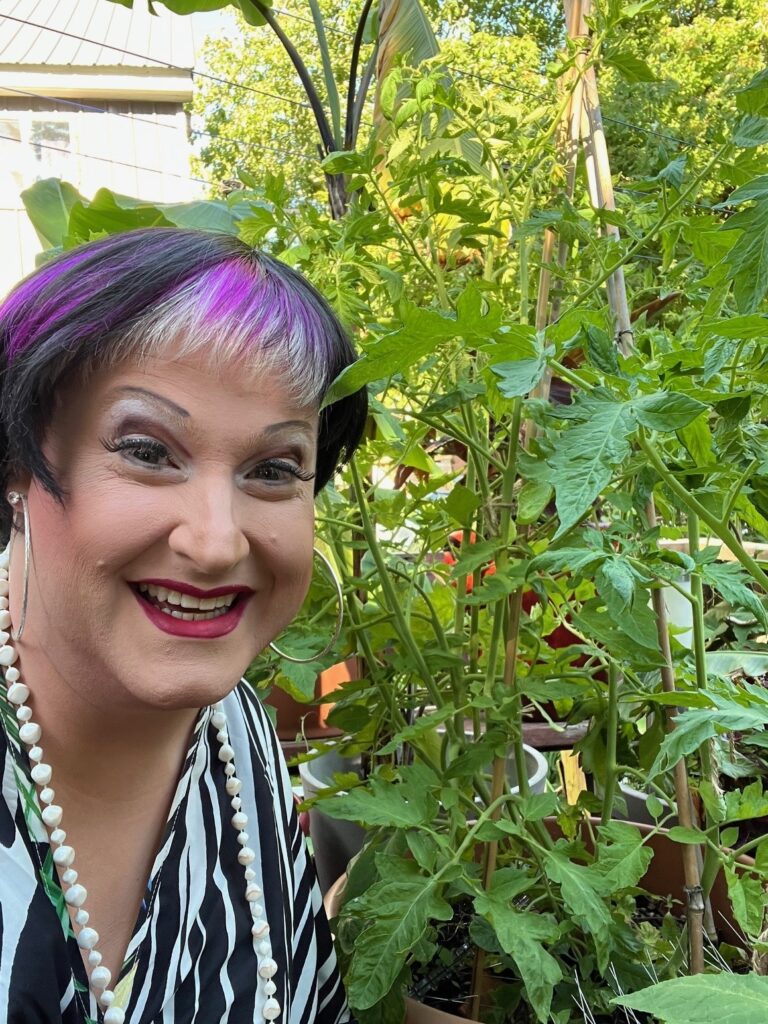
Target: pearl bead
[
  {"x": 239, "y": 820},
  {"x": 271, "y": 1009},
  {"x": 5, "y": 619},
  {"x": 94, "y": 958},
  {"x": 4, "y": 604},
  {"x": 107, "y": 997},
  {"x": 264, "y": 948},
  {"x": 4, "y": 637},
  {"x": 58, "y": 836},
  {"x": 30, "y": 733},
  {"x": 226, "y": 753},
  {"x": 52, "y": 815},
  {"x": 4, "y": 588},
  {"x": 259, "y": 929},
  {"x": 250, "y": 874},
  {"x": 46, "y": 795},
  {"x": 69, "y": 877},
  {"x": 270, "y": 988},
  {"x": 101, "y": 977},
  {"x": 246, "y": 855},
  {"x": 252, "y": 892},
  {"x": 41, "y": 773},
  {"x": 229, "y": 769},
  {"x": 222, "y": 736},
  {"x": 234, "y": 785},
  {"x": 268, "y": 968},
  {"x": 64, "y": 855},
  {"x": 8, "y": 655},
  {"x": 82, "y": 917},
  {"x": 87, "y": 938},
  {"x": 242, "y": 838},
  {"x": 17, "y": 692},
  {"x": 23, "y": 714},
  {"x": 76, "y": 895},
  {"x": 236, "y": 803},
  {"x": 257, "y": 910},
  {"x": 219, "y": 719},
  {"x": 36, "y": 754},
  {"x": 114, "y": 1015}
]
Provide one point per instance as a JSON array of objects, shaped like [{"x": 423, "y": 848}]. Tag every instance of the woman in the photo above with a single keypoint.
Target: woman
[{"x": 162, "y": 445}]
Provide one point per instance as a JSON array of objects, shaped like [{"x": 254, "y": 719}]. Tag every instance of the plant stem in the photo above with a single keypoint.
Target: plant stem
[
  {"x": 611, "y": 767},
  {"x": 350, "y": 127}
]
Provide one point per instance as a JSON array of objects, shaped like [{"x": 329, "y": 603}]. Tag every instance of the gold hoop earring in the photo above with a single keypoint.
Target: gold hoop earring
[
  {"x": 15, "y": 499},
  {"x": 339, "y": 617}
]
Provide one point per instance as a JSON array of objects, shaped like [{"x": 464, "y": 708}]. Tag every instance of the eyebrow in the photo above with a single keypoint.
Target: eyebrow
[{"x": 177, "y": 410}]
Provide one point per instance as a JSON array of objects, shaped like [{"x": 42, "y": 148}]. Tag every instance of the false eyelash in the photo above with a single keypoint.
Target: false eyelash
[
  {"x": 124, "y": 444},
  {"x": 289, "y": 467}
]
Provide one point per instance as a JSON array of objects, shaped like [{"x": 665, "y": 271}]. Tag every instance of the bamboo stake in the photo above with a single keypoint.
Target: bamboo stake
[{"x": 602, "y": 197}]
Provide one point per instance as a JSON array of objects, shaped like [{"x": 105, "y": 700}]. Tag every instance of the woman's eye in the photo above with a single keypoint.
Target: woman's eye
[
  {"x": 141, "y": 449},
  {"x": 276, "y": 471}
]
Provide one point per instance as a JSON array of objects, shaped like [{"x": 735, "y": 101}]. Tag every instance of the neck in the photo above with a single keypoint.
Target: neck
[{"x": 104, "y": 754}]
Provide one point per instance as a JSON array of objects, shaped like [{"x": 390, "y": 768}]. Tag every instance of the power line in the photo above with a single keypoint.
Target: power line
[
  {"x": 539, "y": 97},
  {"x": 107, "y": 160},
  {"x": 157, "y": 60},
  {"x": 77, "y": 105}
]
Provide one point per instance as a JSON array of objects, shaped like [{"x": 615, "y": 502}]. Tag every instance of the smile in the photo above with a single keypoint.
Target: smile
[
  {"x": 183, "y": 610},
  {"x": 186, "y": 606}
]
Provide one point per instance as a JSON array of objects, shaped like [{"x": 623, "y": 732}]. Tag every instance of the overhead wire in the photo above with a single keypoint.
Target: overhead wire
[{"x": 539, "y": 97}]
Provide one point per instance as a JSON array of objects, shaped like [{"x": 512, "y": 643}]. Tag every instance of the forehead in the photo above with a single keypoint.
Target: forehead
[{"x": 228, "y": 397}]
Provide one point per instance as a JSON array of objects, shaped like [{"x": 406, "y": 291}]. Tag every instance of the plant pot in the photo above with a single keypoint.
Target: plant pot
[
  {"x": 297, "y": 721},
  {"x": 334, "y": 842},
  {"x": 415, "y": 1012}
]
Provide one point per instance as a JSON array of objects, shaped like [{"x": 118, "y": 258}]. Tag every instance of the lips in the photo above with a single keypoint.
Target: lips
[{"x": 184, "y": 610}]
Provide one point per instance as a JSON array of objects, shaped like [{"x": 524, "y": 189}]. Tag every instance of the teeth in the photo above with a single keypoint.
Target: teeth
[{"x": 162, "y": 595}]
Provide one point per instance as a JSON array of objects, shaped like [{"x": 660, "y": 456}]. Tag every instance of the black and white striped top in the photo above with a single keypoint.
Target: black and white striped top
[{"x": 191, "y": 959}]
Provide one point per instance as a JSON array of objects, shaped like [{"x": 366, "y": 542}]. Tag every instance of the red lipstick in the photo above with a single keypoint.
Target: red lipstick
[{"x": 200, "y": 629}]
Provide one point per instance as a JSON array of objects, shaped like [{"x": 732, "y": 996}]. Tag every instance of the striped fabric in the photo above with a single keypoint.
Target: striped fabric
[{"x": 191, "y": 958}]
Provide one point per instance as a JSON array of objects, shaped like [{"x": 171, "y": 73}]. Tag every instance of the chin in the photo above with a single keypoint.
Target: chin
[{"x": 186, "y": 692}]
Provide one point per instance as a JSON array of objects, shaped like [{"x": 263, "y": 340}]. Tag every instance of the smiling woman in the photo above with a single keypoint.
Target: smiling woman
[{"x": 162, "y": 446}]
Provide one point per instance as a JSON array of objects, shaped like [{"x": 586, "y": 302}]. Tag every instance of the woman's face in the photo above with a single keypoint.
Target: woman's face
[{"x": 184, "y": 544}]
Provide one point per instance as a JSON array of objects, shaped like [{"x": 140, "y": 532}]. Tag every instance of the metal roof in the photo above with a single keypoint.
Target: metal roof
[{"x": 28, "y": 36}]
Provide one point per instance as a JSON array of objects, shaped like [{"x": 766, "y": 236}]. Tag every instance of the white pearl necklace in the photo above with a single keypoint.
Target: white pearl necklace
[{"x": 75, "y": 893}]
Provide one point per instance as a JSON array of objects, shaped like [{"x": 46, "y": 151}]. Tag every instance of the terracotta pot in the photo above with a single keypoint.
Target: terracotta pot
[
  {"x": 664, "y": 877},
  {"x": 295, "y": 719}
]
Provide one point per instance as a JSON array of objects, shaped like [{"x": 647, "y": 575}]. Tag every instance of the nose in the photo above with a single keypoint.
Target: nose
[{"x": 208, "y": 533}]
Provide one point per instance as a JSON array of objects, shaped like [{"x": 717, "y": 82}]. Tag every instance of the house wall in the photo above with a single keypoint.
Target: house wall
[{"x": 135, "y": 147}]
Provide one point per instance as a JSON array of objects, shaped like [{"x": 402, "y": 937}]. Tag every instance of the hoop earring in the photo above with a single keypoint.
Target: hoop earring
[
  {"x": 339, "y": 617},
  {"x": 15, "y": 499}
]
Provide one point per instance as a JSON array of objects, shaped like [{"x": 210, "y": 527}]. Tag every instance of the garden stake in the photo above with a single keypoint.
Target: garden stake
[{"x": 601, "y": 193}]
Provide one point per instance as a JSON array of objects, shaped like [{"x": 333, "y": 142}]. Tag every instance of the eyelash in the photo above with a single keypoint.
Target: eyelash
[{"x": 156, "y": 449}]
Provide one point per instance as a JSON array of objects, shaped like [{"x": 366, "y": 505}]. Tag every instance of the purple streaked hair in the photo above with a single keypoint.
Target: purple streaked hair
[{"x": 140, "y": 294}]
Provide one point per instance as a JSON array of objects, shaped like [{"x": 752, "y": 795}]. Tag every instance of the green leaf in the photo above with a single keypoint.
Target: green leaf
[
  {"x": 751, "y": 131},
  {"x": 404, "y": 910},
  {"x": 753, "y": 98},
  {"x": 721, "y": 997},
  {"x": 747, "y": 259},
  {"x": 517, "y": 379},
  {"x": 533, "y": 498},
  {"x": 630, "y": 67},
  {"x": 422, "y": 331},
  {"x": 423, "y": 726},
  {"x": 461, "y": 504},
  {"x": 587, "y": 454},
  {"x": 621, "y": 854},
  {"x": 522, "y": 935},
  {"x": 582, "y": 890},
  {"x": 600, "y": 349},
  {"x": 688, "y": 836},
  {"x": 383, "y": 802},
  {"x": 48, "y": 204},
  {"x": 748, "y": 899},
  {"x": 666, "y": 410},
  {"x": 732, "y": 583},
  {"x": 616, "y": 582},
  {"x": 697, "y": 725}
]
